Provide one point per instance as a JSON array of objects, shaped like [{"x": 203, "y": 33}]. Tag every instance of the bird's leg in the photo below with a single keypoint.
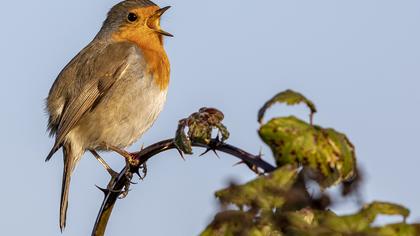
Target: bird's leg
[
  {"x": 111, "y": 172},
  {"x": 129, "y": 158}
]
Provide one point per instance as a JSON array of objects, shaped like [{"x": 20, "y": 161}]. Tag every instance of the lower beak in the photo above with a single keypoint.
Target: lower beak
[
  {"x": 162, "y": 32},
  {"x": 155, "y": 17}
]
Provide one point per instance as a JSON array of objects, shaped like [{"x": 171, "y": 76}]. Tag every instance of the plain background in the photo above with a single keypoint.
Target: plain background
[{"x": 357, "y": 60}]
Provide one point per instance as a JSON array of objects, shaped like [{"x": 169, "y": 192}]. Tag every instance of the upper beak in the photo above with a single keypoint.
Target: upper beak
[
  {"x": 154, "y": 20},
  {"x": 160, "y": 12}
]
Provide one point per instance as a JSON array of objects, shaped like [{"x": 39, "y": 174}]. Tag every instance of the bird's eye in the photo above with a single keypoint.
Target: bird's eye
[{"x": 132, "y": 17}]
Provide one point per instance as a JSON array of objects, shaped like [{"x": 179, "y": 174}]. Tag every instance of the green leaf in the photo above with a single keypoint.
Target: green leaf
[
  {"x": 181, "y": 139},
  {"x": 395, "y": 230},
  {"x": 374, "y": 209},
  {"x": 361, "y": 221},
  {"x": 305, "y": 223},
  {"x": 234, "y": 223},
  {"x": 315, "y": 222},
  {"x": 327, "y": 153},
  {"x": 301, "y": 219},
  {"x": 230, "y": 223},
  {"x": 288, "y": 97},
  {"x": 266, "y": 192}
]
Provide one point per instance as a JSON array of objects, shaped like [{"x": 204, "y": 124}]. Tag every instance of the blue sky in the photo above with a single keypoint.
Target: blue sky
[{"x": 357, "y": 60}]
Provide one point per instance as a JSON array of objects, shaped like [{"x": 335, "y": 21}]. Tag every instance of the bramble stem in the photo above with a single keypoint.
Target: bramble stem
[{"x": 255, "y": 163}]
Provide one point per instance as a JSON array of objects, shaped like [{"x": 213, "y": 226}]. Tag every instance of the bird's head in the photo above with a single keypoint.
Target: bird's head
[{"x": 137, "y": 21}]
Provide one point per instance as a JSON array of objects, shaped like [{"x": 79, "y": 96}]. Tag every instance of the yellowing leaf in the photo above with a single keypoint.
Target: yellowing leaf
[
  {"x": 383, "y": 208},
  {"x": 315, "y": 222},
  {"x": 266, "y": 192},
  {"x": 288, "y": 97},
  {"x": 233, "y": 223},
  {"x": 200, "y": 126},
  {"x": 395, "y": 230},
  {"x": 326, "y": 152}
]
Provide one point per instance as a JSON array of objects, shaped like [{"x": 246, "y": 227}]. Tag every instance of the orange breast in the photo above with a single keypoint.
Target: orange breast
[
  {"x": 158, "y": 65},
  {"x": 151, "y": 45}
]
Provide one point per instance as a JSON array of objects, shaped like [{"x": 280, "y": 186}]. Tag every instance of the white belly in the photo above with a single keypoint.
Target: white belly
[{"x": 122, "y": 116}]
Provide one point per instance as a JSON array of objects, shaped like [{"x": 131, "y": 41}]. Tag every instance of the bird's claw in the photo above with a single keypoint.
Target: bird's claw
[
  {"x": 122, "y": 192},
  {"x": 126, "y": 189},
  {"x": 143, "y": 168}
]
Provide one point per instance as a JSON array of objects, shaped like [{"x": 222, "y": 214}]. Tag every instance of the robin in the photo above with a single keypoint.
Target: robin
[{"x": 112, "y": 91}]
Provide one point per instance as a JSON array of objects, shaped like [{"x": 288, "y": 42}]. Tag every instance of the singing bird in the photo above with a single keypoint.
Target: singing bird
[{"x": 112, "y": 91}]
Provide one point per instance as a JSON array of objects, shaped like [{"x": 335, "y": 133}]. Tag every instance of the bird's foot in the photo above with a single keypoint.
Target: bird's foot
[
  {"x": 129, "y": 176},
  {"x": 132, "y": 166},
  {"x": 126, "y": 189},
  {"x": 123, "y": 192},
  {"x": 130, "y": 158}
]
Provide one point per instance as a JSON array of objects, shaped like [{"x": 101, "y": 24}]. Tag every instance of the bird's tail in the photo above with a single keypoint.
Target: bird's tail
[{"x": 69, "y": 163}]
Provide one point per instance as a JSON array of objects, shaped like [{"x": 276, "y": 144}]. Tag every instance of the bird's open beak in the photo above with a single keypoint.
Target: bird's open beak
[{"x": 154, "y": 22}]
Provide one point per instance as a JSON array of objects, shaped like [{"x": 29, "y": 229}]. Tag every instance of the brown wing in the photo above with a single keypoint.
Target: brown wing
[{"x": 92, "y": 78}]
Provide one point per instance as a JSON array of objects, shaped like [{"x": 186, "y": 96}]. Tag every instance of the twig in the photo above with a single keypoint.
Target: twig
[{"x": 253, "y": 162}]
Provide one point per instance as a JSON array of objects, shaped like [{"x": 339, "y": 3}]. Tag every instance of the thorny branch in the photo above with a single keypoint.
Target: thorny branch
[{"x": 200, "y": 126}]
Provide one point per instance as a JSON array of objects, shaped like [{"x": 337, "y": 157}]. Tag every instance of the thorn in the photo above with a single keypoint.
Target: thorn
[
  {"x": 254, "y": 168},
  {"x": 260, "y": 154},
  {"x": 181, "y": 154},
  {"x": 207, "y": 151},
  {"x": 239, "y": 163},
  {"x": 142, "y": 147},
  {"x": 215, "y": 153},
  {"x": 104, "y": 191}
]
